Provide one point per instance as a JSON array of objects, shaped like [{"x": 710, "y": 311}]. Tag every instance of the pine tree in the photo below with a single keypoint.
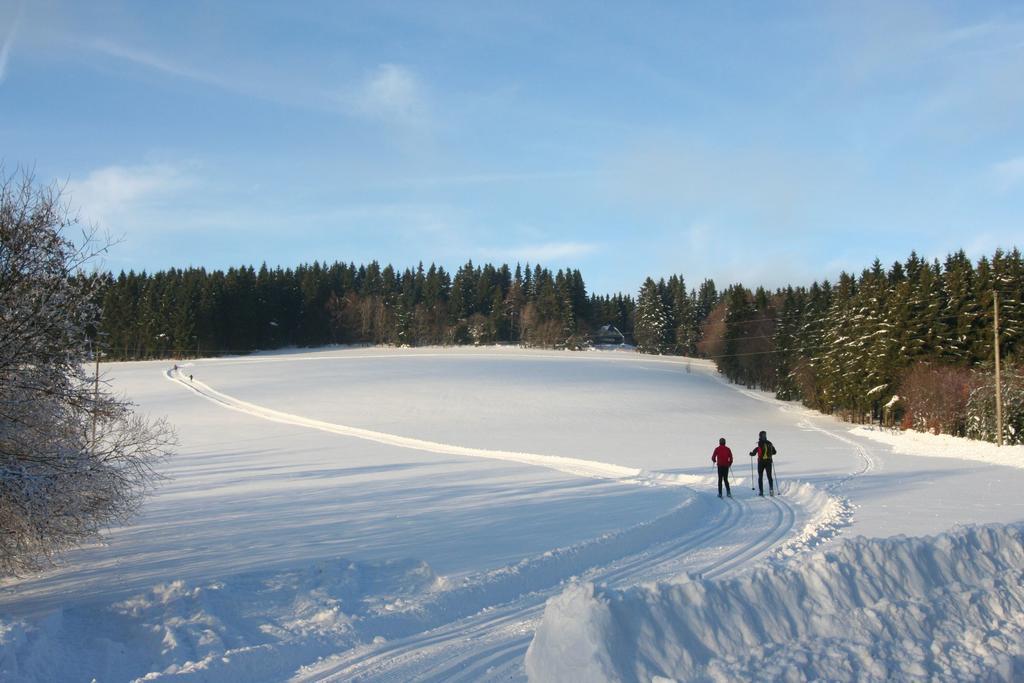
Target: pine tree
[
  {"x": 651, "y": 327},
  {"x": 961, "y": 313},
  {"x": 786, "y": 343},
  {"x": 738, "y": 315}
]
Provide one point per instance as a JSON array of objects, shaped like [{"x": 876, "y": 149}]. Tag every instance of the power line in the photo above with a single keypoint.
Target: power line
[{"x": 947, "y": 318}]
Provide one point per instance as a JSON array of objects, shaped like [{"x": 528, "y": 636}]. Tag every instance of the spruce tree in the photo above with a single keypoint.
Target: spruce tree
[{"x": 651, "y": 320}]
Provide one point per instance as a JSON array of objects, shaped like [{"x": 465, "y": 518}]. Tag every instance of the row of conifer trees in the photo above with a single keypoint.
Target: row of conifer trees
[
  {"x": 912, "y": 343},
  {"x": 185, "y": 312},
  {"x": 864, "y": 346}
]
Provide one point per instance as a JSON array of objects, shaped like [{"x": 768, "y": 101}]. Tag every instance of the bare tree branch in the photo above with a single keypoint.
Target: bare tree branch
[{"x": 59, "y": 486}]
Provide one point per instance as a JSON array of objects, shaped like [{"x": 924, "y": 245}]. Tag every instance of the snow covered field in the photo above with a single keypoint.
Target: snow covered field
[{"x": 395, "y": 514}]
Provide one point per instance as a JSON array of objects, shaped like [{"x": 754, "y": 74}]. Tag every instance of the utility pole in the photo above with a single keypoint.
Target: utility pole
[
  {"x": 999, "y": 390},
  {"x": 95, "y": 393}
]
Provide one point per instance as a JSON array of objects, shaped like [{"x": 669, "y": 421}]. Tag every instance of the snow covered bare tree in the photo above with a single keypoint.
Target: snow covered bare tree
[{"x": 74, "y": 458}]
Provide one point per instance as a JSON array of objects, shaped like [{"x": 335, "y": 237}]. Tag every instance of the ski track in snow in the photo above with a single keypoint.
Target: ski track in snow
[
  {"x": 867, "y": 462},
  {"x": 491, "y": 644},
  {"x": 575, "y": 466},
  {"x": 488, "y": 639},
  {"x": 500, "y": 635},
  {"x": 834, "y": 511}
]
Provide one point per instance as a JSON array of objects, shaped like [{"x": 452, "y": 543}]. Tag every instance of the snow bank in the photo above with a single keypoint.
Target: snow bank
[
  {"x": 253, "y": 626},
  {"x": 944, "y": 446},
  {"x": 948, "y": 607}
]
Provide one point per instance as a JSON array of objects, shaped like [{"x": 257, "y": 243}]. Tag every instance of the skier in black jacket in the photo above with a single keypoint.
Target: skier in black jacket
[{"x": 764, "y": 450}]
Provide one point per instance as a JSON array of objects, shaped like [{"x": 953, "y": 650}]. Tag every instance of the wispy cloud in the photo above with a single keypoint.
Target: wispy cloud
[
  {"x": 109, "y": 195},
  {"x": 694, "y": 179},
  {"x": 390, "y": 93},
  {"x": 956, "y": 70},
  {"x": 159, "y": 63},
  {"x": 543, "y": 252},
  {"x": 489, "y": 178},
  {"x": 267, "y": 86},
  {"x": 8, "y": 44},
  {"x": 1008, "y": 174}
]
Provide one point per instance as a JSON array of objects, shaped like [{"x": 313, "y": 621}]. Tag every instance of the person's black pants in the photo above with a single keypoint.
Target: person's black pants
[
  {"x": 762, "y": 467},
  {"x": 723, "y": 475}
]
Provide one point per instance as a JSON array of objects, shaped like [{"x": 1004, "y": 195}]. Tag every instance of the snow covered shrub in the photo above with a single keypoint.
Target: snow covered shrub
[
  {"x": 460, "y": 334},
  {"x": 481, "y": 329},
  {"x": 981, "y": 408},
  {"x": 73, "y": 457},
  {"x": 935, "y": 398}
]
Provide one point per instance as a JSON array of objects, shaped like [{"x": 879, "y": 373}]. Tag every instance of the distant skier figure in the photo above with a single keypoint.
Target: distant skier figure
[
  {"x": 723, "y": 458},
  {"x": 190, "y": 378},
  {"x": 764, "y": 450}
]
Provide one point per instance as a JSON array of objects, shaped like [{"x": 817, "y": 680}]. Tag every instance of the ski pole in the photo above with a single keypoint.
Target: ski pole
[
  {"x": 751, "y": 473},
  {"x": 775, "y": 476}
]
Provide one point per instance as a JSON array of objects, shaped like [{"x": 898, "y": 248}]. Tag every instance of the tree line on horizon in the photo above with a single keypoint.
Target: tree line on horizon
[
  {"x": 912, "y": 344},
  {"x": 179, "y": 313},
  {"x": 909, "y": 344}
]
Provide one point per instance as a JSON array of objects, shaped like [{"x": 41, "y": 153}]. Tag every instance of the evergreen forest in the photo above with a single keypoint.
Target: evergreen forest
[{"x": 910, "y": 344}]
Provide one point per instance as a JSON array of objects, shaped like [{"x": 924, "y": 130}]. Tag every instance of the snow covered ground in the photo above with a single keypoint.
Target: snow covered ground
[{"x": 395, "y": 514}]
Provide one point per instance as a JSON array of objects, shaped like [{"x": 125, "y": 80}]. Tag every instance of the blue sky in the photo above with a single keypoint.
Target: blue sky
[{"x": 766, "y": 143}]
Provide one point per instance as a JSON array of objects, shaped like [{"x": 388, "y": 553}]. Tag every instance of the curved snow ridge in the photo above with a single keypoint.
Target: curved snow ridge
[
  {"x": 575, "y": 466},
  {"x": 947, "y": 607},
  {"x": 830, "y": 514}
]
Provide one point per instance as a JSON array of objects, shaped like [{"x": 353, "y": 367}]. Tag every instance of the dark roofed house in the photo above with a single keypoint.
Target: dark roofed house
[{"x": 608, "y": 334}]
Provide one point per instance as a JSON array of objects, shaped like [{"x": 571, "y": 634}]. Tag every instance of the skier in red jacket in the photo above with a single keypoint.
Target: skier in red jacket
[{"x": 723, "y": 457}]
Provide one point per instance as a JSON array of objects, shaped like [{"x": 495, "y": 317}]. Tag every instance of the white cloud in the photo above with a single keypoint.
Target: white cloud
[
  {"x": 214, "y": 73},
  {"x": 8, "y": 44},
  {"x": 155, "y": 62},
  {"x": 1009, "y": 174},
  {"x": 543, "y": 252},
  {"x": 390, "y": 93},
  {"x": 108, "y": 195}
]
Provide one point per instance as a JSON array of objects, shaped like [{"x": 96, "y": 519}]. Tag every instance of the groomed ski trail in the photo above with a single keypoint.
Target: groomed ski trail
[
  {"x": 575, "y": 466},
  {"x": 868, "y": 463},
  {"x": 489, "y": 643}
]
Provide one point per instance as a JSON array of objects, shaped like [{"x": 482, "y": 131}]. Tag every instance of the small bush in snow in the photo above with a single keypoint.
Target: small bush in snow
[
  {"x": 935, "y": 398},
  {"x": 981, "y": 409},
  {"x": 73, "y": 458}
]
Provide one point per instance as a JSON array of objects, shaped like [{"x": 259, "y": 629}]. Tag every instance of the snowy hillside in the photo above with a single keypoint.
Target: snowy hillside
[
  {"x": 386, "y": 514},
  {"x": 949, "y": 607}
]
